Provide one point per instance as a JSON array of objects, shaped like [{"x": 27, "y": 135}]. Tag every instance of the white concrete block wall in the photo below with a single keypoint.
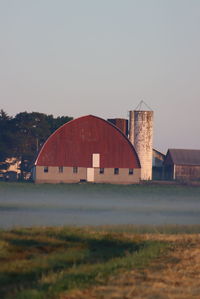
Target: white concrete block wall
[{"x": 67, "y": 176}]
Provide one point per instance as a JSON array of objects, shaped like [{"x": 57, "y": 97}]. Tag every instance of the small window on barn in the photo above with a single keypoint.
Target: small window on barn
[
  {"x": 131, "y": 171},
  {"x": 46, "y": 169},
  {"x": 101, "y": 170},
  {"x": 75, "y": 169},
  {"x": 60, "y": 169},
  {"x": 116, "y": 170}
]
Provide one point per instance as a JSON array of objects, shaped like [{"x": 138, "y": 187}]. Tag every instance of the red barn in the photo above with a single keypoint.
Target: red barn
[{"x": 87, "y": 149}]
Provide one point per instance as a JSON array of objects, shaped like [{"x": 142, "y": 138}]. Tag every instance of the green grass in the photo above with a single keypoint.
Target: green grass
[
  {"x": 44, "y": 262},
  {"x": 118, "y": 190}
]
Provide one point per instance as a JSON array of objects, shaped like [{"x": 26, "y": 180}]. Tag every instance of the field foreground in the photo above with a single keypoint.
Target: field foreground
[
  {"x": 173, "y": 275},
  {"x": 69, "y": 263}
]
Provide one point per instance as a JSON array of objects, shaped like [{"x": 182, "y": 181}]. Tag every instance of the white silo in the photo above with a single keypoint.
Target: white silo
[{"x": 141, "y": 136}]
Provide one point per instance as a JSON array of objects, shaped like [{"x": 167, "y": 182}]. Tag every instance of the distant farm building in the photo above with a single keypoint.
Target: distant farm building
[
  {"x": 157, "y": 160},
  {"x": 11, "y": 171},
  {"x": 88, "y": 149},
  {"x": 182, "y": 164}
]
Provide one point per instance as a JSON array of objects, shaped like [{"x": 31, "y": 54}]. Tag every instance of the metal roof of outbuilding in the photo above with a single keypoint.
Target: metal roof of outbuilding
[
  {"x": 74, "y": 143},
  {"x": 183, "y": 157}
]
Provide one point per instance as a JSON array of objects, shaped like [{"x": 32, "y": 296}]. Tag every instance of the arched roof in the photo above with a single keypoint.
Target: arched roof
[{"x": 74, "y": 143}]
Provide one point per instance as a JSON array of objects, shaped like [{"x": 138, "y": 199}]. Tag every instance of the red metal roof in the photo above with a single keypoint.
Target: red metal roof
[{"x": 74, "y": 143}]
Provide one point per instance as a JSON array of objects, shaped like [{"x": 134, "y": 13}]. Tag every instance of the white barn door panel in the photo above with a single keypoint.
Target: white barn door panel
[
  {"x": 90, "y": 174},
  {"x": 95, "y": 160}
]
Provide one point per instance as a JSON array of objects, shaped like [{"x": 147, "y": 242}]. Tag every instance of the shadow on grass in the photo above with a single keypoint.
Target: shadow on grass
[
  {"x": 28, "y": 243},
  {"x": 79, "y": 249},
  {"x": 105, "y": 249}
]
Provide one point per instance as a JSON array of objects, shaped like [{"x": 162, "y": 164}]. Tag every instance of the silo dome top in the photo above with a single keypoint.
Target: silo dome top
[{"x": 142, "y": 106}]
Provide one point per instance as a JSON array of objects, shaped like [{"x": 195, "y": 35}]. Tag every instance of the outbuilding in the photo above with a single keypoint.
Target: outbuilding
[
  {"x": 182, "y": 164},
  {"x": 89, "y": 149},
  {"x": 157, "y": 163}
]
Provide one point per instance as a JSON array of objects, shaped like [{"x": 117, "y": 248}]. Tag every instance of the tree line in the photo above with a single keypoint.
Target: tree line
[{"x": 22, "y": 136}]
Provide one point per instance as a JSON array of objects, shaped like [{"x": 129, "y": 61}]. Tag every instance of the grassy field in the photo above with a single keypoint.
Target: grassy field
[
  {"x": 27, "y": 204},
  {"x": 145, "y": 187},
  {"x": 46, "y": 262},
  {"x": 103, "y": 262},
  {"x": 174, "y": 274},
  {"x": 135, "y": 190},
  {"x": 120, "y": 261},
  {"x": 109, "y": 262}
]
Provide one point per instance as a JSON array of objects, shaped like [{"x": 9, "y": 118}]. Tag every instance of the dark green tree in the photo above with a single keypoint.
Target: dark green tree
[
  {"x": 31, "y": 130},
  {"x": 22, "y": 137},
  {"x": 6, "y": 139},
  {"x": 55, "y": 123}
]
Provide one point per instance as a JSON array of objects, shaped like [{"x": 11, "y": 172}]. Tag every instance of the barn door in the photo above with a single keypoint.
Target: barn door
[{"x": 90, "y": 174}]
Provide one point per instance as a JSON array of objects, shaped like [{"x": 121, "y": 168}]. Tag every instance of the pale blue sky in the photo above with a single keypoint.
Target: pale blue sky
[{"x": 77, "y": 57}]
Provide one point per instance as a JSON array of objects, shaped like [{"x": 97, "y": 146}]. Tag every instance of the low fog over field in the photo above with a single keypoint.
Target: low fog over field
[{"x": 88, "y": 204}]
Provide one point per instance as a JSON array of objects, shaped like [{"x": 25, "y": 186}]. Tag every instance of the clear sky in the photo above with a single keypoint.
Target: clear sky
[{"x": 102, "y": 57}]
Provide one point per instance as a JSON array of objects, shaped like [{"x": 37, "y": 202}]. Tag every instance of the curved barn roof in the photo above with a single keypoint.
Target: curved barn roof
[{"x": 74, "y": 143}]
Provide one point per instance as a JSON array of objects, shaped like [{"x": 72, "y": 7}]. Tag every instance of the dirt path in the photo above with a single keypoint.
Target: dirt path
[{"x": 176, "y": 275}]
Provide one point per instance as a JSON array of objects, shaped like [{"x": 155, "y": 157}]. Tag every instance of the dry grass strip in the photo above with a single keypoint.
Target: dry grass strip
[{"x": 176, "y": 275}]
